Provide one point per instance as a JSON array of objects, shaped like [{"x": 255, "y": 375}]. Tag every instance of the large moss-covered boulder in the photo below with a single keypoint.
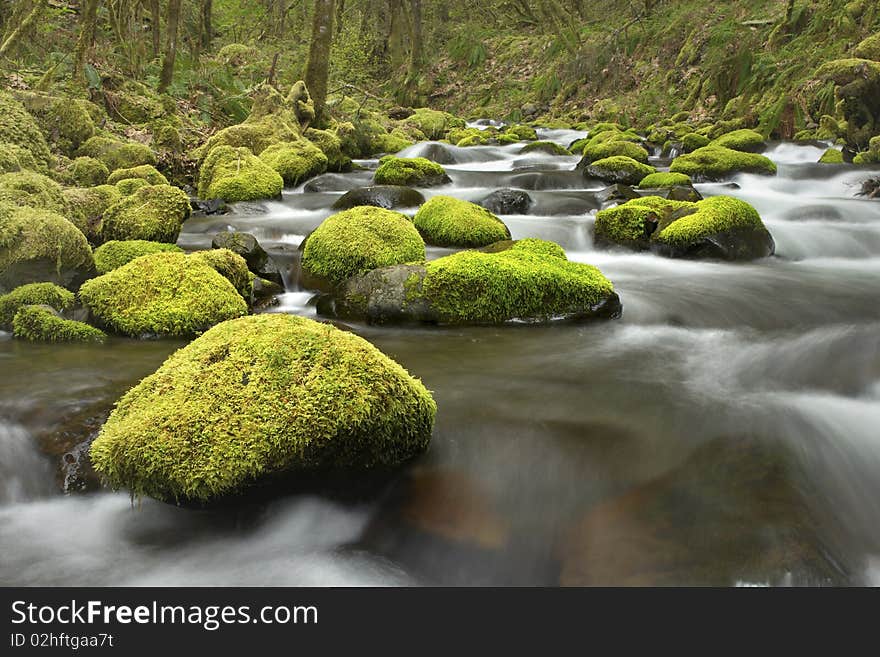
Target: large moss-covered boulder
[
  {"x": 231, "y": 266},
  {"x": 236, "y": 174},
  {"x": 720, "y": 227},
  {"x": 528, "y": 280},
  {"x": 356, "y": 241},
  {"x": 154, "y": 213},
  {"x": 19, "y": 128},
  {"x": 117, "y": 154},
  {"x": 870, "y": 156},
  {"x": 380, "y": 196},
  {"x": 448, "y": 221},
  {"x": 716, "y": 163},
  {"x": 115, "y": 253},
  {"x": 87, "y": 206},
  {"x": 603, "y": 149},
  {"x": 162, "y": 294},
  {"x": 16, "y": 158},
  {"x": 410, "y": 172},
  {"x": 296, "y": 161},
  {"x": 663, "y": 180},
  {"x": 33, "y": 294},
  {"x": 41, "y": 246},
  {"x": 869, "y": 48},
  {"x": 65, "y": 121},
  {"x": 88, "y": 171},
  {"x": 741, "y": 140},
  {"x": 617, "y": 169},
  {"x": 329, "y": 143},
  {"x": 146, "y": 172},
  {"x": 545, "y": 147},
  {"x": 43, "y": 324},
  {"x": 257, "y": 399},
  {"x": 432, "y": 124},
  {"x": 831, "y": 156},
  {"x": 31, "y": 189},
  {"x": 857, "y": 87}
]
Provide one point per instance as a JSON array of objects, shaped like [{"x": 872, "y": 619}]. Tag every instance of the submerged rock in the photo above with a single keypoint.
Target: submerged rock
[
  {"x": 528, "y": 280},
  {"x": 257, "y": 399},
  {"x": 720, "y": 227},
  {"x": 380, "y": 196},
  {"x": 507, "y": 201},
  {"x": 448, "y": 221}
]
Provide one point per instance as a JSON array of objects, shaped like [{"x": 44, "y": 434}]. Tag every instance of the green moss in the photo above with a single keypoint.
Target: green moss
[
  {"x": 714, "y": 162},
  {"x": 391, "y": 142},
  {"x": 154, "y": 213},
  {"x": 831, "y": 156},
  {"x": 713, "y": 215},
  {"x": 128, "y": 186},
  {"x": 41, "y": 324},
  {"x": 28, "y": 188},
  {"x": 549, "y": 147},
  {"x": 866, "y": 157},
  {"x": 259, "y": 397},
  {"x": 33, "y": 294},
  {"x": 15, "y": 158},
  {"x": 134, "y": 102},
  {"x": 662, "y": 180},
  {"x": 417, "y": 171},
  {"x": 331, "y": 146},
  {"x": 741, "y": 140},
  {"x": 230, "y": 266},
  {"x": 692, "y": 141},
  {"x": 473, "y": 140},
  {"x": 358, "y": 240},
  {"x": 256, "y": 137},
  {"x": 531, "y": 280},
  {"x": 631, "y": 224},
  {"x": 162, "y": 294},
  {"x": 844, "y": 71},
  {"x": 523, "y": 132},
  {"x": 63, "y": 120},
  {"x": 604, "y": 127},
  {"x": 295, "y": 161},
  {"x": 869, "y": 48},
  {"x": 19, "y": 128},
  {"x": 236, "y": 174},
  {"x": 38, "y": 245},
  {"x": 88, "y": 172},
  {"x": 115, "y": 253},
  {"x": 619, "y": 168},
  {"x": 448, "y": 221},
  {"x": 607, "y": 149},
  {"x": 87, "y": 206},
  {"x": 116, "y": 154},
  {"x": 145, "y": 172},
  {"x": 433, "y": 124}
]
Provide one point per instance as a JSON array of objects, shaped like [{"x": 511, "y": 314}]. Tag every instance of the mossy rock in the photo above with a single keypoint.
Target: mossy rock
[
  {"x": 716, "y": 163},
  {"x": 20, "y": 128},
  {"x": 41, "y": 246},
  {"x": 33, "y": 294},
  {"x": 662, "y": 180},
  {"x": 692, "y": 141},
  {"x": 42, "y": 324},
  {"x": 433, "y": 124},
  {"x": 162, "y": 294},
  {"x": 356, "y": 241},
  {"x": 528, "y": 280},
  {"x": 410, "y": 172},
  {"x": 236, "y": 174},
  {"x": 64, "y": 121},
  {"x": 607, "y": 149},
  {"x": 16, "y": 158},
  {"x": 522, "y": 132},
  {"x": 617, "y": 169},
  {"x": 720, "y": 227},
  {"x": 133, "y": 102},
  {"x": 295, "y": 161},
  {"x": 117, "y": 154},
  {"x": 128, "y": 186},
  {"x": 115, "y": 253},
  {"x": 546, "y": 147},
  {"x": 88, "y": 172},
  {"x": 145, "y": 172},
  {"x": 231, "y": 266},
  {"x": 869, "y": 48},
  {"x": 389, "y": 142},
  {"x": 329, "y": 143},
  {"x": 31, "y": 189},
  {"x": 744, "y": 140},
  {"x": 87, "y": 206},
  {"x": 448, "y": 221},
  {"x": 870, "y": 156},
  {"x": 154, "y": 213},
  {"x": 380, "y": 196},
  {"x": 831, "y": 156},
  {"x": 257, "y": 399}
]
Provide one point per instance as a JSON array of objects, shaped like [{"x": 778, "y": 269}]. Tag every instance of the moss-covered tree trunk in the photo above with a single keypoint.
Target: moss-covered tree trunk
[
  {"x": 170, "y": 45},
  {"x": 86, "y": 40},
  {"x": 207, "y": 24},
  {"x": 15, "y": 31},
  {"x": 155, "y": 27},
  {"x": 318, "y": 68}
]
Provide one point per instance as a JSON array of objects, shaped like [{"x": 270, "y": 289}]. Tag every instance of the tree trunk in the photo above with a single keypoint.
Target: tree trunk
[
  {"x": 415, "y": 53},
  {"x": 22, "y": 27},
  {"x": 155, "y": 26},
  {"x": 318, "y": 67},
  {"x": 207, "y": 24},
  {"x": 86, "y": 40},
  {"x": 170, "y": 45}
]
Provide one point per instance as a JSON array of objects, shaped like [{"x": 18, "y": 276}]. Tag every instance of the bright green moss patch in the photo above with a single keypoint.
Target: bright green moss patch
[
  {"x": 527, "y": 281},
  {"x": 448, "y": 221},
  {"x": 548, "y": 147},
  {"x": 433, "y": 124},
  {"x": 15, "y": 158},
  {"x": 632, "y": 223},
  {"x": 692, "y": 141},
  {"x": 741, "y": 140},
  {"x": 154, "y": 213},
  {"x": 330, "y": 145},
  {"x": 64, "y": 121},
  {"x": 662, "y": 180},
  {"x": 38, "y": 245},
  {"x": 259, "y": 397},
  {"x": 165, "y": 294},
  {"x": 41, "y": 324},
  {"x": 715, "y": 162},
  {"x": 145, "y": 172},
  {"x": 831, "y": 156},
  {"x": 28, "y": 188},
  {"x": 115, "y": 253},
  {"x": 869, "y": 48},
  {"x": 295, "y": 161},
  {"x": 19, "y": 128},
  {"x": 358, "y": 240},
  {"x": 33, "y": 294},
  {"x": 128, "y": 186},
  {"x": 606, "y": 149},
  {"x": 231, "y": 266},
  {"x": 522, "y": 132},
  {"x": 713, "y": 215},
  {"x": 88, "y": 171},
  {"x": 409, "y": 172},
  {"x": 236, "y": 174},
  {"x": 619, "y": 168},
  {"x": 117, "y": 154}
]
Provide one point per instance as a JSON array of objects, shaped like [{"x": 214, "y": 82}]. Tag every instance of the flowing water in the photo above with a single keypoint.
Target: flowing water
[{"x": 725, "y": 430}]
